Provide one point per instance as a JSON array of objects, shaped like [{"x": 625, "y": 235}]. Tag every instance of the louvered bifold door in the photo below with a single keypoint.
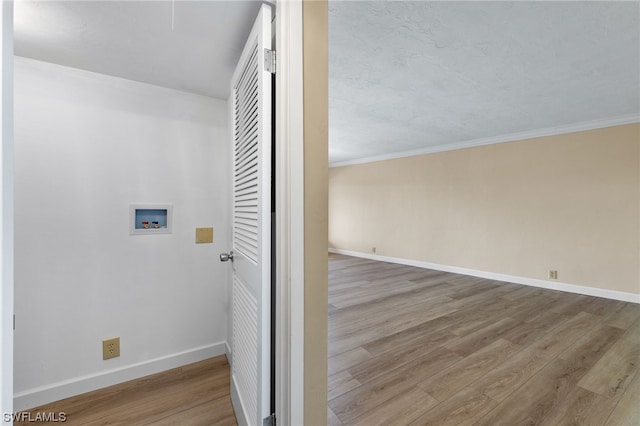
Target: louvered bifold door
[{"x": 250, "y": 104}]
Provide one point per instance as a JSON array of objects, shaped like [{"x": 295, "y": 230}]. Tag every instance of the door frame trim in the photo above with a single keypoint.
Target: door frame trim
[
  {"x": 289, "y": 214},
  {"x": 6, "y": 215}
]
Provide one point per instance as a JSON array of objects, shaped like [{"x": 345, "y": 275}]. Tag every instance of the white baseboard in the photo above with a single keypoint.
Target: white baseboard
[
  {"x": 552, "y": 285},
  {"x": 43, "y": 395},
  {"x": 238, "y": 407}
]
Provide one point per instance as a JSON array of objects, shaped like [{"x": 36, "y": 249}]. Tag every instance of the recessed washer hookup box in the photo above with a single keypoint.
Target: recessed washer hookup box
[{"x": 148, "y": 219}]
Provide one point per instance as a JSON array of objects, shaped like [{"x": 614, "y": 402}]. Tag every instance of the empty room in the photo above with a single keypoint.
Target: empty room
[
  {"x": 484, "y": 213},
  {"x": 136, "y": 208},
  {"x": 121, "y": 153}
]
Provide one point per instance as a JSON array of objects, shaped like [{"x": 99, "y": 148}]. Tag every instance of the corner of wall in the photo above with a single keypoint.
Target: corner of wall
[{"x": 316, "y": 166}]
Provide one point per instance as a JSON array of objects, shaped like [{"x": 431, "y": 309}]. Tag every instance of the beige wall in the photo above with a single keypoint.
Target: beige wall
[
  {"x": 569, "y": 202},
  {"x": 316, "y": 131}
]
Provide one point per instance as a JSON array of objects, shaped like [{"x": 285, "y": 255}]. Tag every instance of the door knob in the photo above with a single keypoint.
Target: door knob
[{"x": 224, "y": 257}]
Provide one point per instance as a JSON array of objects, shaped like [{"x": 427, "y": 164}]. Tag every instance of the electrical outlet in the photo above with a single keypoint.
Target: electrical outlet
[
  {"x": 553, "y": 274},
  {"x": 111, "y": 348},
  {"x": 373, "y": 250}
]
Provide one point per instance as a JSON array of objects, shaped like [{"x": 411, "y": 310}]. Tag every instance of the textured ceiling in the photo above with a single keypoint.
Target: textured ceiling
[
  {"x": 135, "y": 39},
  {"x": 403, "y": 76},
  {"x": 407, "y": 76}
]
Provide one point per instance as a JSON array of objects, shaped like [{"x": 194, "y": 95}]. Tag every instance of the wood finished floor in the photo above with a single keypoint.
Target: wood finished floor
[
  {"x": 193, "y": 395},
  {"x": 411, "y": 346}
]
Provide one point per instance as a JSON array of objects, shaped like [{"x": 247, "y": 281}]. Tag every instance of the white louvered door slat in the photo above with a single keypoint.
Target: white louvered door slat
[{"x": 250, "y": 107}]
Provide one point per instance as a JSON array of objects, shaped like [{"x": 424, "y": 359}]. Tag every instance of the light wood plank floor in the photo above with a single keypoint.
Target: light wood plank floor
[
  {"x": 196, "y": 394},
  {"x": 411, "y": 346}
]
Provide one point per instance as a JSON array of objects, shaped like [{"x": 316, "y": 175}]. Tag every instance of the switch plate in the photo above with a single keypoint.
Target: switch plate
[
  {"x": 111, "y": 348},
  {"x": 204, "y": 235}
]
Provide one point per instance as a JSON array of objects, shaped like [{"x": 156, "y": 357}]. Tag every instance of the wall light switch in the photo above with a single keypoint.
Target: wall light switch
[{"x": 204, "y": 235}]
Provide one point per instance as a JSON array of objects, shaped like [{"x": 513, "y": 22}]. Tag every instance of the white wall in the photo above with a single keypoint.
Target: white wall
[{"x": 87, "y": 145}]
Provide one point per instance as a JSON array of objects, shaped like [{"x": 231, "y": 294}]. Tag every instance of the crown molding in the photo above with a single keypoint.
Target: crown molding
[{"x": 512, "y": 137}]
